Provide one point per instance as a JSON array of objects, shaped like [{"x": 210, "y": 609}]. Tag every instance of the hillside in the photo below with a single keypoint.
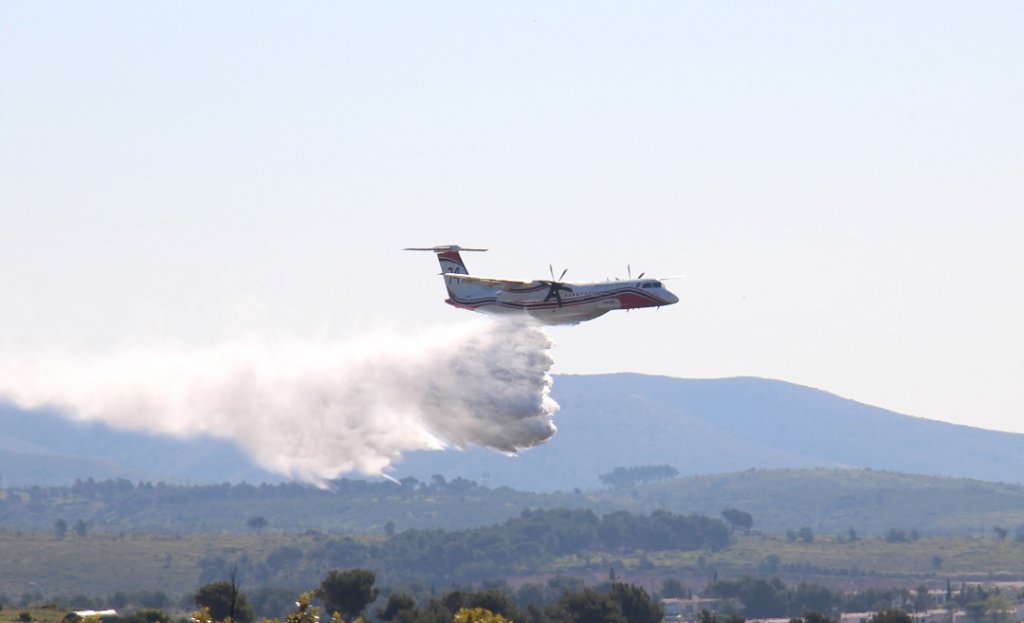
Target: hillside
[
  {"x": 42, "y": 448},
  {"x": 175, "y": 538},
  {"x": 606, "y": 421},
  {"x": 726, "y": 425},
  {"x": 830, "y": 501},
  {"x": 177, "y": 565}
]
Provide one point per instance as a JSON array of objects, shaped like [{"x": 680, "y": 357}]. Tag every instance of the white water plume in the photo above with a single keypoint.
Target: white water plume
[{"x": 310, "y": 410}]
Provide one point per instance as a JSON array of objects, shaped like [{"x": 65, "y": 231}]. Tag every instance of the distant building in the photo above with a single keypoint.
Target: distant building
[
  {"x": 935, "y": 615},
  {"x": 938, "y": 596},
  {"x": 855, "y": 617},
  {"x": 687, "y": 609},
  {"x": 105, "y": 616}
]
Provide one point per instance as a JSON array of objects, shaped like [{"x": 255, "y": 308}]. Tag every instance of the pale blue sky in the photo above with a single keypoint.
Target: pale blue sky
[{"x": 842, "y": 183}]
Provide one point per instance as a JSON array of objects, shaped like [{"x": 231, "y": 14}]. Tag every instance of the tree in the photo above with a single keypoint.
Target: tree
[
  {"x": 304, "y": 612},
  {"x": 672, "y": 588},
  {"x": 223, "y": 600},
  {"x": 975, "y": 610},
  {"x": 738, "y": 519},
  {"x": 806, "y": 534},
  {"x": 813, "y": 617},
  {"x": 890, "y": 616},
  {"x": 257, "y": 523},
  {"x": 636, "y": 605},
  {"x": 999, "y": 607},
  {"x": 60, "y": 529},
  {"x": 760, "y": 598},
  {"x": 586, "y": 606},
  {"x": 397, "y": 602},
  {"x": 145, "y": 615},
  {"x": 80, "y": 528},
  {"x": 348, "y": 592},
  {"x": 922, "y": 600},
  {"x": 283, "y": 557},
  {"x": 478, "y": 615},
  {"x": 1001, "y": 532},
  {"x": 493, "y": 600},
  {"x": 812, "y": 598},
  {"x": 632, "y": 476},
  {"x": 706, "y": 616}
]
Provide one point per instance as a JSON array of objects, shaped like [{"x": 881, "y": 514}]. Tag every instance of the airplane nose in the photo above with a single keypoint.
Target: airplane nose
[{"x": 670, "y": 299}]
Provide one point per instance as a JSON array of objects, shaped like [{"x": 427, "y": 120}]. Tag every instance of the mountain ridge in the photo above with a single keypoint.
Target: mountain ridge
[
  {"x": 702, "y": 426},
  {"x": 698, "y": 426}
]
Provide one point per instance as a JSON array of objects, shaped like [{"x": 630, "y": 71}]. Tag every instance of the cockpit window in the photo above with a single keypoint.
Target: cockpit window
[{"x": 651, "y": 284}]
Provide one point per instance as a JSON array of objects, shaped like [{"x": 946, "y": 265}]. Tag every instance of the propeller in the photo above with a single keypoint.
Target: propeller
[
  {"x": 554, "y": 290},
  {"x": 555, "y": 286},
  {"x": 629, "y": 272}
]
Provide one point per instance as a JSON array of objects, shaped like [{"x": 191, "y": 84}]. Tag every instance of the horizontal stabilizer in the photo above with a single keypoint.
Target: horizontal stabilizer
[{"x": 444, "y": 248}]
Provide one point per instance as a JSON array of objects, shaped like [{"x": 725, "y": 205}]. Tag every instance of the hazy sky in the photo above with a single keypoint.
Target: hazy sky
[{"x": 841, "y": 182}]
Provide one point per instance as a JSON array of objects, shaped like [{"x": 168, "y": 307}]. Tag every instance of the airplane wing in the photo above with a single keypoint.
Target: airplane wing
[{"x": 501, "y": 284}]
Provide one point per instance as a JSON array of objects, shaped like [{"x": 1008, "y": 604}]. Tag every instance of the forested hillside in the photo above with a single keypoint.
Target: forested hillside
[
  {"x": 833, "y": 500},
  {"x": 523, "y": 545},
  {"x": 827, "y": 501}
]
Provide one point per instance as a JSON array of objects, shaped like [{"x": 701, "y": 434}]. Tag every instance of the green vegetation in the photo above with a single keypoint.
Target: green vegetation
[
  {"x": 348, "y": 506},
  {"x": 148, "y": 547},
  {"x": 854, "y": 502},
  {"x": 632, "y": 476},
  {"x": 222, "y": 600},
  {"x": 738, "y": 518},
  {"x": 40, "y": 614},
  {"x": 527, "y": 544},
  {"x": 135, "y": 564},
  {"x": 349, "y": 595},
  {"x": 348, "y": 592},
  {"x": 831, "y": 501}
]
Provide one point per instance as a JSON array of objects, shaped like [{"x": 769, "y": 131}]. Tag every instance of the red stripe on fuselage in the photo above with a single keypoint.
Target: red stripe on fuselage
[{"x": 633, "y": 300}]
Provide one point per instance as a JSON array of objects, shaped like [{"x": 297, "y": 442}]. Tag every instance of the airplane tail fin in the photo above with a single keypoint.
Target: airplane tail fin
[{"x": 448, "y": 255}]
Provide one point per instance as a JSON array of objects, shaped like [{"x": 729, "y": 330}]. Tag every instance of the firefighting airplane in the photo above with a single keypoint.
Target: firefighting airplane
[{"x": 547, "y": 301}]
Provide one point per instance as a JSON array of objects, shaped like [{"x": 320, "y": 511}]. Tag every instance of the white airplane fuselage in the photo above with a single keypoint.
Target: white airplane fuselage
[
  {"x": 577, "y": 303},
  {"x": 546, "y": 301}
]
